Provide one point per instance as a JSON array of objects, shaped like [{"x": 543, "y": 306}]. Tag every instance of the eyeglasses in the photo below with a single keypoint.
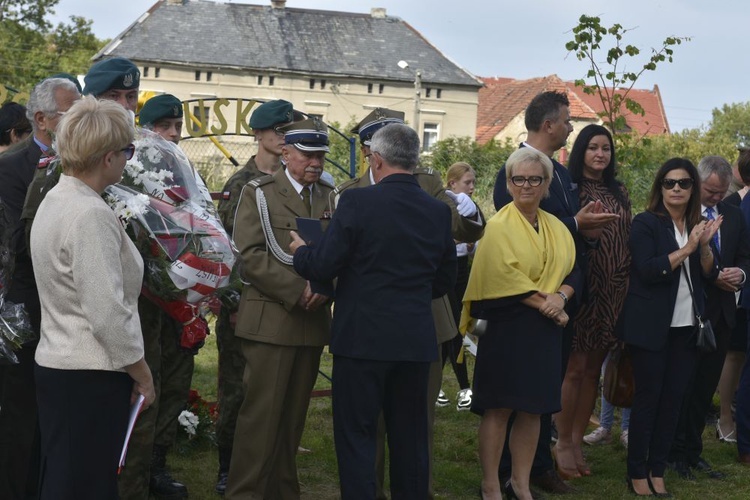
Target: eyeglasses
[
  {"x": 685, "y": 183},
  {"x": 129, "y": 151},
  {"x": 534, "y": 180}
]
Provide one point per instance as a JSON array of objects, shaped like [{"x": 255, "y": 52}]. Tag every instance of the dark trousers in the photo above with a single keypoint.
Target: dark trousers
[
  {"x": 83, "y": 416},
  {"x": 361, "y": 389},
  {"x": 543, "y": 456},
  {"x": 19, "y": 428},
  {"x": 742, "y": 413},
  {"x": 688, "y": 440},
  {"x": 661, "y": 379},
  {"x": 452, "y": 348}
]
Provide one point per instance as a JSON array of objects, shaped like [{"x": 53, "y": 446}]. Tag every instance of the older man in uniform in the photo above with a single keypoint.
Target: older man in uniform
[
  {"x": 467, "y": 224},
  {"x": 282, "y": 324},
  {"x": 267, "y": 161},
  {"x": 19, "y": 447}
]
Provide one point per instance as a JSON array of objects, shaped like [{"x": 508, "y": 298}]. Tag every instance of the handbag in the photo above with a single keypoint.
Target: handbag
[
  {"x": 705, "y": 340},
  {"x": 619, "y": 385}
]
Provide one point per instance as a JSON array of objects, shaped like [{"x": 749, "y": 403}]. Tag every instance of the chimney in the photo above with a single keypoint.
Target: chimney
[
  {"x": 377, "y": 12},
  {"x": 278, "y": 4}
]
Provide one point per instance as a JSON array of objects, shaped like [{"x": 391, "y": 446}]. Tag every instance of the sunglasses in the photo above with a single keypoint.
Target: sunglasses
[
  {"x": 129, "y": 151},
  {"x": 534, "y": 180},
  {"x": 686, "y": 183}
]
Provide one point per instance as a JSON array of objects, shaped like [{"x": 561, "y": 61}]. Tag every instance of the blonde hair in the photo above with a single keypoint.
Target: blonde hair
[
  {"x": 457, "y": 171},
  {"x": 89, "y": 130}
]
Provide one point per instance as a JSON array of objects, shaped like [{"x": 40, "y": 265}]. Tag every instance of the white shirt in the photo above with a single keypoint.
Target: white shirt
[{"x": 683, "y": 314}]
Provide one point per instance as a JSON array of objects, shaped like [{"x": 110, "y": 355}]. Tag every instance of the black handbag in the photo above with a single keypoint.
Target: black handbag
[{"x": 705, "y": 340}]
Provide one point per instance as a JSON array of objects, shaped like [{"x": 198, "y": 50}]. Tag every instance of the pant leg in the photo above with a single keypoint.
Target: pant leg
[
  {"x": 625, "y": 419},
  {"x": 742, "y": 411},
  {"x": 231, "y": 368},
  {"x": 607, "y": 416},
  {"x": 434, "y": 381}
]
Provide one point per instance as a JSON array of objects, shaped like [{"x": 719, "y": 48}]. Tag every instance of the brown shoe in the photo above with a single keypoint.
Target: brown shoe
[
  {"x": 744, "y": 459},
  {"x": 551, "y": 483}
]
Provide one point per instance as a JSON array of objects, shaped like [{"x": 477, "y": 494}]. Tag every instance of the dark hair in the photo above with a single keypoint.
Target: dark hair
[
  {"x": 576, "y": 162},
  {"x": 743, "y": 166},
  {"x": 13, "y": 118},
  {"x": 544, "y": 106},
  {"x": 656, "y": 199}
]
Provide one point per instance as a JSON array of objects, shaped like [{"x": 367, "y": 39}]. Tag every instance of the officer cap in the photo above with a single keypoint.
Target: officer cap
[
  {"x": 306, "y": 135},
  {"x": 379, "y": 118},
  {"x": 158, "y": 107},
  {"x": 115, "y": 73},
  {"x": 70, "y": 77},
  {"x": 273, "y": 113}
]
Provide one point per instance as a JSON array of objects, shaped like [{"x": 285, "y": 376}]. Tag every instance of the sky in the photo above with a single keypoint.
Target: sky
[{"x": 527, "y": 39}]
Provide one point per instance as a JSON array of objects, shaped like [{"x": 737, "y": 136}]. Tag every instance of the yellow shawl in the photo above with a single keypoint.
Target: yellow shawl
[{"x": 513, "y": 259}]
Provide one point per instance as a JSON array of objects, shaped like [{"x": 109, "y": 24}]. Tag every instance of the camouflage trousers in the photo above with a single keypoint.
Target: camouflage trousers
[
  {"x": 231, "y": 369},
  {"x": 172, "y": 370}
]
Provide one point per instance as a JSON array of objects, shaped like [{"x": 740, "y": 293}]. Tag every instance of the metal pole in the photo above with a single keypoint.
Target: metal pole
[{"x": 417, "y": 95}]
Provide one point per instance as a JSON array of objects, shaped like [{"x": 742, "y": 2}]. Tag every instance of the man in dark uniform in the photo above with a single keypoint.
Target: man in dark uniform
[
  {"x": 266, "y": 161},
  {"x": 19, "y": 440},
  {"x": 282, "y": 324},
  {"x": 467, "y": 224}
]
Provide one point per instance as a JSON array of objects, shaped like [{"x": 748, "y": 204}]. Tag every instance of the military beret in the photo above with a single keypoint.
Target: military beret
[
  {"x": 116, "y": 73},
  {"x": 306, "y": 135},
  {"x": 379, "y": 118},
  {"x": 158, "y": 107},
  {"x": 272, "y": 113},
  {"x": 70, "y": 77}
]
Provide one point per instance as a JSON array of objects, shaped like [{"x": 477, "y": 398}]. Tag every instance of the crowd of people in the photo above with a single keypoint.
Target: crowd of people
[{"x": 562, "y": 274}]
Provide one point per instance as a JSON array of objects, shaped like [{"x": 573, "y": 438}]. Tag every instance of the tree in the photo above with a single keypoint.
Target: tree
[
  {"x": 29, "y": 13},
  {"x": 609, "y": 74}
]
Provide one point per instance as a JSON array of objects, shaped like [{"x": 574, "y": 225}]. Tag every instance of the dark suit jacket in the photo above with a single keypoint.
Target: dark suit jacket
[
  {"x": 735, "y": 252},
  {"x": 649, "y": 304},
  {"x": 391, "y": 247},
  {"x": 16, "y": 171}
]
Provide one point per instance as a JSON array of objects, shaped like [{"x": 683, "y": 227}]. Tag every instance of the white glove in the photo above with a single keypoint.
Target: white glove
[{"x": 464, "y": 205}]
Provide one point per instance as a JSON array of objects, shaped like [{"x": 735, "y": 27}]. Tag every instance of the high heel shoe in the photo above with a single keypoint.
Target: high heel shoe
[
  {"x": 509, "y": 493},
  {"x": 728, "y": 438},
  {"x": 629, "y": 482},
  {"x": 663, "y": 494},
  {"x": 565, "y": 474}
]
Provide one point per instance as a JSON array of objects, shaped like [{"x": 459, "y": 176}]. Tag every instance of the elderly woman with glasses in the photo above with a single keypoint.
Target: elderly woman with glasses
[
  {"x": 521, "y": 279},
  {"x": 671, "y": 259},
  {"x": 89, "y": 362}
]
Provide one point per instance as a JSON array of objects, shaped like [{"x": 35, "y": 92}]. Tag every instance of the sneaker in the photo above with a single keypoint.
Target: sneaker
[
  {"x": 463, "y": 400},
  {"x": 442, "y": 400},
  {"x": 599, "y": 436},
  {"x": 623, "y": 438}
]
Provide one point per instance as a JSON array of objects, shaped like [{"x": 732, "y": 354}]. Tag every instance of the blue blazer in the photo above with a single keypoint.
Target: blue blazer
[
  {"x": 652, "y": 293},
  {"x": 390, "y": 246}
]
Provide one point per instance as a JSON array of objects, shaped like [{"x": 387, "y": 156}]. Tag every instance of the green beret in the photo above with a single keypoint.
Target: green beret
[
  {"x": 70, "y": 77},
  {"x": 116, "y": 73},
  {"x": 158, "y": 107},
  {"x": 272, "y": 113}
]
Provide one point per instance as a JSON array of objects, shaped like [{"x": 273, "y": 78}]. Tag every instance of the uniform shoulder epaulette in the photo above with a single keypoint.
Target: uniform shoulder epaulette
[
  {"x": 424, "y": 170},
  {"x": 261, "y": 181},
  {"x": 346, "y": 184}
]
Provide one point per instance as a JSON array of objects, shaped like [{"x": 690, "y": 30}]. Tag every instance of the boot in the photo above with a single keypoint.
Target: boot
[
  {"x": 162, "y": 485},
  {"x": 225, "y": 456}
]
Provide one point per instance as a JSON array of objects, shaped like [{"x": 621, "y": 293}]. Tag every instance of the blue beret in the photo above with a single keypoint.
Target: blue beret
[
  {"x": 116, "y": 73},
  {"x": 306, "y": 135},
  {"x": 272, "y": 113},
  {"x": 158, "y": 107},
  {"x": 379, "y": 118}
]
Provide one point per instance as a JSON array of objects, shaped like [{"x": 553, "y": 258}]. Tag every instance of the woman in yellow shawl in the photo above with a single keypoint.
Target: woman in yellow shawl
[{"x": 522, "y": 277}]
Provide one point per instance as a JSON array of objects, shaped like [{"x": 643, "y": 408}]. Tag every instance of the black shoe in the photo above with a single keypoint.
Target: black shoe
[
  {"x": 631, "y": 489},
  {"x": 682, "y": 470},
  {"x": 664, "y": 494},
  {"x": 508, "y": 491},
  {"x": 704, "y": 467},
  {"x": 221, "y": 483},
  {"x": 550, "y": 482},
  {"x": 164, "y": 487}
]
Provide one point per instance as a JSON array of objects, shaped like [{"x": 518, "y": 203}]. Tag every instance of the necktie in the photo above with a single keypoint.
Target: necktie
[
  {"x": 306, "y": 199},
  {"x": 710, "y": 216}
]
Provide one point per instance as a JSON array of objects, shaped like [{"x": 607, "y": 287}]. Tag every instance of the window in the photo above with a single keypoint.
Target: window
[
  {"x": 145, "y": 72},
  {"x": 322, "y": 84},
  {"x": 427, "y": 92},
  {"x": 429, "y": 136},
  {"x": 271, "y": 81},
  {"x": 209, "y": 74},
  {"x": 197, "y": 76},
  {"x": 312, "y": 83},
  {"x": 439, "y": 93},
  {"x": 202, "y": 115},
  {"x": 369, "y": 88},
  {"x": 260, "y": 79},
  {"x": 156, "y": 72},
  {"x": 381, "y": 87}
]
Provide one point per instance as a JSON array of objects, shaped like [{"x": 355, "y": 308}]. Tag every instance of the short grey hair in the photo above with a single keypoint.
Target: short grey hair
[
  {"x": 718, "y": 165},
  {"x": 398, "y": 145},
  {"x": 528, "y": 155},
  {"x": 42, "y": 98}
]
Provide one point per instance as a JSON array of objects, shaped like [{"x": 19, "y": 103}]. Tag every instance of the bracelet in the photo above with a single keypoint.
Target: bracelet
[{"x": 564, "y": 297}]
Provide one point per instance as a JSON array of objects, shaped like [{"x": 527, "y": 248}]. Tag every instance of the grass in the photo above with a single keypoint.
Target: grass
[{"x": 457, "y": 471}]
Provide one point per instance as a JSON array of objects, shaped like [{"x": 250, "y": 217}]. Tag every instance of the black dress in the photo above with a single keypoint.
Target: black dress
[{"x": 518, "y": 360}]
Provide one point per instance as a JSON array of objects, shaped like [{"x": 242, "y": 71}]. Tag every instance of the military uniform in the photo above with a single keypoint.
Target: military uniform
[
  {"x": 463, "y": 229},
  {"x": 281, "y": 342}
]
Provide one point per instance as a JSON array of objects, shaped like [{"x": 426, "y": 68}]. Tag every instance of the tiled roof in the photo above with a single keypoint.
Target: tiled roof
[
  {"x": 284, "y": 40},
  {"x": 502, "y": 99}
]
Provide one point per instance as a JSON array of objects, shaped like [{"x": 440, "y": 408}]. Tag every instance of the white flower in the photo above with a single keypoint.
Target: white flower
[{"x": 189, "y": 421}]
